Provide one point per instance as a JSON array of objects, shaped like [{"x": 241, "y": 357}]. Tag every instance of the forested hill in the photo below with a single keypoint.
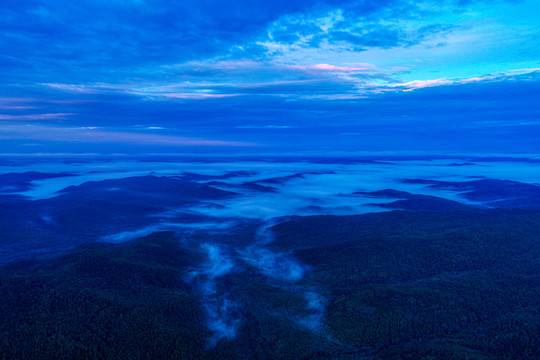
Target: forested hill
[{"x": 393, "y": 285}]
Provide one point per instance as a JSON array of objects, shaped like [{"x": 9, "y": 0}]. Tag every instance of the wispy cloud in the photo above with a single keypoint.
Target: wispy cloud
[
  {"x": 26, "y": 117},
  {"x": 500, "y": 76},
  {"x": 196, "y": 96},
  {"x": 265, "y": 127},
  {"x": 141, "y": 89},
  {"x": 419, "y": 84},
  {"x": 334, "y": 68},
  {"x": 91, "y": 134},
  {"x": 316, "y": 81}
]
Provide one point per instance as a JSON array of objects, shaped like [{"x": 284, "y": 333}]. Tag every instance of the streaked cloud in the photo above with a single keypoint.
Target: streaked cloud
[
  {"x": 91, "y": 134},
  {"x": 334, "y": 68},
  {"x": 502, "y": 76},
  {"x": 51, "y": 116},
  {"x": 265, "y": 127}
]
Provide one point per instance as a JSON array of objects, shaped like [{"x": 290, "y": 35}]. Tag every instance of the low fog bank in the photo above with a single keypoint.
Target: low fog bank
[
  {"x": 302, "y": 180},
  {"x": 220, "y": 200},
  {"x": 128, "y": 199}
]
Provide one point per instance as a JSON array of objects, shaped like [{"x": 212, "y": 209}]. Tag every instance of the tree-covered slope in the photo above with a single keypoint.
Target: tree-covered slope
[{"x": 395, "y": 285}]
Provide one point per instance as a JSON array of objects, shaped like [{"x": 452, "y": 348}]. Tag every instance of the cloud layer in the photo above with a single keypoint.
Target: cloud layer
[{"x": 271, "y": 75}]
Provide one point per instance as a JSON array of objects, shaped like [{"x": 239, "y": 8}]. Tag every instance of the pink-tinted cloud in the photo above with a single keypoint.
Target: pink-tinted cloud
[
  {"x": 339, "y": 97},
  {"x": 334, "y": 68}
]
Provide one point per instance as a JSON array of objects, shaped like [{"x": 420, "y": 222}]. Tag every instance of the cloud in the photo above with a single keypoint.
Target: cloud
[
  {"x": 91, "y": 134},
  {"x": 99, "y": 40},
  {"x": 358, "y": 26},
  {"x": 195, "y": 96},
  {"x": 419, "y": 84},
  {"x": 265, "y": 127},
  {"x": 509, "y": 75},
  {"x": 334, "y": 68},
  {"x": 309, "y": 81},
  {"x": 313, "y": 110},
  {"x": 203, "y": 72},
  {"x": 89, "y": 38},
  {"x": 207, "y": 80},
  {"x": 34, "y": 116}
]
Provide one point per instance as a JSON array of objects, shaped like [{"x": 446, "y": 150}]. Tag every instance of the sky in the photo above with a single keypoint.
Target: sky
[{"x": 280, "y": 76}]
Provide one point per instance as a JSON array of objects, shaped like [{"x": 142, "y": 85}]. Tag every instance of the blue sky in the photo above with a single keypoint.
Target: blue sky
[{"x": 141, "y": 76}]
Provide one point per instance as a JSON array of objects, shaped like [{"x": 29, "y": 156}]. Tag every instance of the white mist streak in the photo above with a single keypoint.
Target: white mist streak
[
  {"x": 220, "y": 310},
  {"x": 315, "y": 304},
  {"x": 287, "y": 270}
]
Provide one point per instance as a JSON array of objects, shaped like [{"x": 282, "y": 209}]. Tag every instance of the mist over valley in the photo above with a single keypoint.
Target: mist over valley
[{"x": 242, "y": 259}]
